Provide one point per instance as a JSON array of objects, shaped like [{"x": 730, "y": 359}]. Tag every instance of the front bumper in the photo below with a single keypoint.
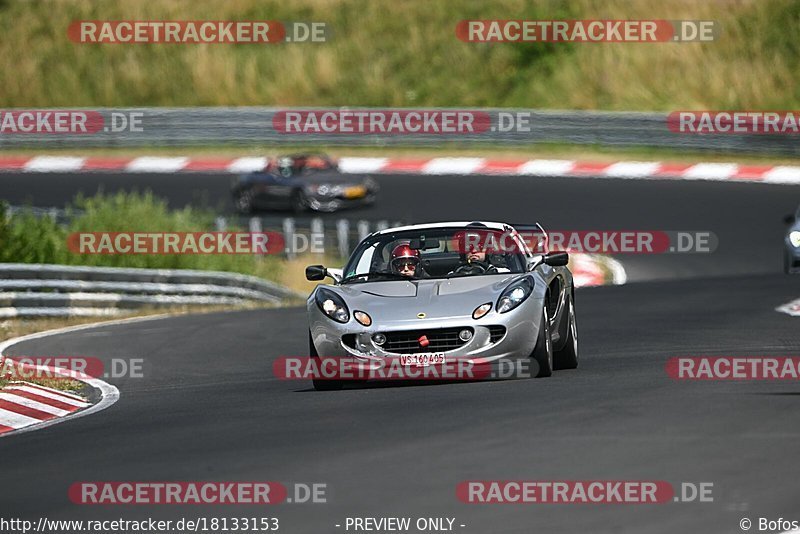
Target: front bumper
[
  {"x": 520, "y": 337},
  {"x": 329, "y": 204}
]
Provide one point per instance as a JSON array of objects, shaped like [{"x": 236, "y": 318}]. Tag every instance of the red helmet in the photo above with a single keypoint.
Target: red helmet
[{"x": 402, "y": 254}]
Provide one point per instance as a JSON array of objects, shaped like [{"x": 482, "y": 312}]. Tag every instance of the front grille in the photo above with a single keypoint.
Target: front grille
[
  {"x": 407, "y": 341},
  {"x": 349, "y": 340},
  {"x": 496, "y": 333}
]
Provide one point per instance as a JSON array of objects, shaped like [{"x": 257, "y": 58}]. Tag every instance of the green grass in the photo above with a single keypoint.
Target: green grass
[{"x": 404, "y": 53}]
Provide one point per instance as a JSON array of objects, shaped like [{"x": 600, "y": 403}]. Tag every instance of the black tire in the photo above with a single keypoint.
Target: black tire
[
  {"x": 299, "y": 201},
  {"x": 322, "y": 385},
  {"x": 567, "y": 357},
  {"x": 543, "y": 351},
  {"x": 243, "y": 201}
]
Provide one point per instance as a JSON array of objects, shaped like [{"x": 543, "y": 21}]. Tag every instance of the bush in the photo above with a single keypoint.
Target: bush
[{"x": 25, "y": 238}]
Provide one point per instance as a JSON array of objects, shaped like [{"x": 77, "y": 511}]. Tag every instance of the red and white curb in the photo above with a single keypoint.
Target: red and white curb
[
  {"x": 24, "y": 405},
  {"x": 14, "y": 422},
  {"x": 730, "y": 172}
]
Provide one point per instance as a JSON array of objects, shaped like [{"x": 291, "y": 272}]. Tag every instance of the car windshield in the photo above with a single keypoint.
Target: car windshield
[
  {"x": 299, "y": 165},
  {"x": 436, "y": 253}
]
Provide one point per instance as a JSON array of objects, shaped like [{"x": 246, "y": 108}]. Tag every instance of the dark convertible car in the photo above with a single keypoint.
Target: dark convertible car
[{"x": 302, "y": 182}]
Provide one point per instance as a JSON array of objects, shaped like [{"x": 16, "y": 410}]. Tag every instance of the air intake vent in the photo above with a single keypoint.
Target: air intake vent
[{"x": 439, "y": 340}]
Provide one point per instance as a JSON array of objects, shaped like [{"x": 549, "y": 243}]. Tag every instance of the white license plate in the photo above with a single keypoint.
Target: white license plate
[{"x": 422, "y": 359}]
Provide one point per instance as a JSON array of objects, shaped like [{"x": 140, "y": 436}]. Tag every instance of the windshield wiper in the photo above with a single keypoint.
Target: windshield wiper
[
  {"x": 352, "y": 277},
  {"x": 388, "y": 274}
]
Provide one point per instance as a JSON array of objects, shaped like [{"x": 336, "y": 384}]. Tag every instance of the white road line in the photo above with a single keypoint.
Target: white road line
[{"x": 16, "y": 399}]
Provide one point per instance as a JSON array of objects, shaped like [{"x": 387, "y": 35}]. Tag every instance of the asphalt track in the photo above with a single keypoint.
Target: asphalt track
[
  {"x": 208, "y": 407},
  {"x": 745, "y": 217}
]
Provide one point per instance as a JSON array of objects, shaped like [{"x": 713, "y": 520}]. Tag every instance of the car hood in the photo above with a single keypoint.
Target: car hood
[{"x": 400, "y": 300}]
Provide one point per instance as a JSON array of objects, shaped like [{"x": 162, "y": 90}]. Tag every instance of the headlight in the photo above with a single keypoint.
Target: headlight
[
  {"x": 332, "y": 305},
  {"x": 514, "y": 295},
  {"x": 794, "y": 238}
]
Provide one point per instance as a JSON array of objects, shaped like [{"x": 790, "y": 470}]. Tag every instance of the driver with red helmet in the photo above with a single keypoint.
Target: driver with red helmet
[{"x": 405, "y": 261}]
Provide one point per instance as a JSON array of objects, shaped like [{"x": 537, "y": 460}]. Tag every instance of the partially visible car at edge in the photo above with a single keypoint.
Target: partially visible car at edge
[{"x": 791, "y": 254}]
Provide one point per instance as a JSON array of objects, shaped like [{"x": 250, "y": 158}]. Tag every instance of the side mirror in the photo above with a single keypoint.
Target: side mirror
[
  {"x": 788, "y": 219},
  {"x": 316, "y": 272},
  {"x": 556, "y": 259}
]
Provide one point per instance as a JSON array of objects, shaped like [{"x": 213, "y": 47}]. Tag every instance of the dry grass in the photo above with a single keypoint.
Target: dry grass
[
  {"x": 293, "y": 273},
  {"x": 404, "y": 54}
]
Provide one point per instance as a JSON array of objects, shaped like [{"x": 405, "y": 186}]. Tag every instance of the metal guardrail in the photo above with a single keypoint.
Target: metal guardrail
[
  {"x": 249, "y": 126},
  {"x": 315, "y": 235},
  {"x": 37, "y": 290}
]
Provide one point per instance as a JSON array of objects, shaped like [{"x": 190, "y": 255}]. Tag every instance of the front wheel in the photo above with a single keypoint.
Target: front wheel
[
  {"x": 320, "y": 384},
  {"x": 567, "y": 357},
  {"x": 543, "y": 351},
  {"x": 244, "y": 201},
  {"x": 299, "y": 201}
]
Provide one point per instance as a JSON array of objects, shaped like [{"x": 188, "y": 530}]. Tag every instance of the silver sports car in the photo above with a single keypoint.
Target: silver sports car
[{"x": 446, "y": 292}]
